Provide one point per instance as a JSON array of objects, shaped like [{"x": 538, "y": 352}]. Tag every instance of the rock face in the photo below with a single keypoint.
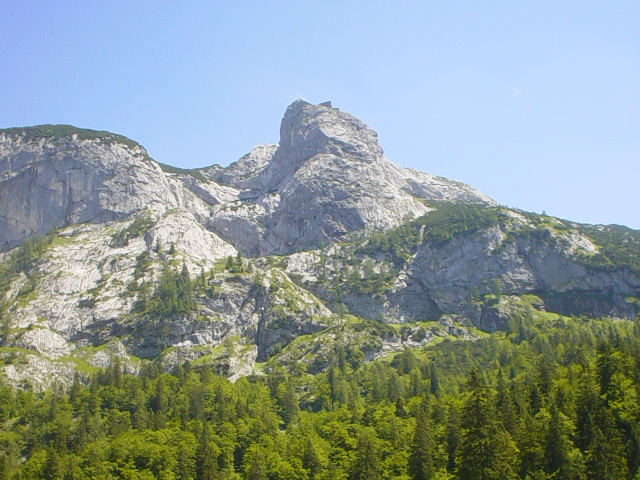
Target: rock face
[
  {"x": 326, "y": 178},
  {"x": 330, "y": 227},
  {"x": 492, "y": 262},
  {"x": 54, "y": 181},
  {"x": 514, "y": 255}
]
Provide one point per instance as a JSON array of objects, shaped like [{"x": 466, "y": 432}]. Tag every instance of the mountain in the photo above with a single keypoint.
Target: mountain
[{"x": 107, "y": 254}]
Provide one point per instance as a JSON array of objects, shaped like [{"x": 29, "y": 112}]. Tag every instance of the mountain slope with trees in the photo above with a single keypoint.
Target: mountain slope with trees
[{"x": 554, "y": 398}]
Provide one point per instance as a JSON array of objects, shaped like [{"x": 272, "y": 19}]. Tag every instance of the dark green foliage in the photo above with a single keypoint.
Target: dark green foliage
[
  {"x": 24, "y": 259},
  {"x": 365, "y": 466},
  {"x": 62, "y": 131},
  {"x": 237, "y": 264},
  {"x": 619, "y": 248},
  {"x": 421, "y": 458},
  {"x": 437, "y": 227},
  {"x": 142, "y": 265},
  {"x": 452, "y": 439},
  {"x": 143, "y": 262},
  {"x": 399, "y": 243},
  {"x": 175, "y": 294},
  {"x": 485, "y": 450},
  {"x": 434, "y": 386},
  {"x": 379, "y": 421},
  {"x": 311, "y": 461},
  {"x": 194, "y": 172},
  {"x": 137, "y": 228},
  {"x": 456, "y": 220},
  {"x": 25, "y": 256},
  {"x": 363, "y": 279}
]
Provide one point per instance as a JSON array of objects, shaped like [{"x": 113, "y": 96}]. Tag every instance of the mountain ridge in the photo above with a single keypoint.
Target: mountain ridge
[
  {"x": 329, "y": 145},
  {"x": 109, "y": 255}
]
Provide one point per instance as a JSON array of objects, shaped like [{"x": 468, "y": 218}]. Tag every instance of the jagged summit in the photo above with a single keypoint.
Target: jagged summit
[
  {"x": 60, "y": 131},
  {"x": 324, "y": 198},
  {"x": 325, "y": 178},
  {"x": 309, "y": 130}
]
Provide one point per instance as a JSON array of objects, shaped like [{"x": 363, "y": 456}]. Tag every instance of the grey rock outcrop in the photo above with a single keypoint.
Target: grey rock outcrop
[
  {"x": 489, "y": 261},
  {"x": 513, "y": 258},
  {"x": 326, "y": 178},
  {"x": 303, "y": 209},
  {"x": 55, "y": 181}
]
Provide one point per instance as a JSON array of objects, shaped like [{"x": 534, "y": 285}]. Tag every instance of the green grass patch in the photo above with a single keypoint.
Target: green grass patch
[
  {"x": 62, "y": 131},
  {"x": 193, "y": 172}
]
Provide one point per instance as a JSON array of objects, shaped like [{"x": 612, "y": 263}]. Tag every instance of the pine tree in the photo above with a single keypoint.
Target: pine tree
[
  {"x": 239, "y": 263},
  {"x": 421, "y": 459},
  {"x": 588, "y": 406},
  {"x": 141, "y": 416},
  {"x": 206, "y": 457},
  {"x": 366, "y": 461},
  {"x": 453, "y": 437},
  {"x": 560, "y": 463},
  {"x": 185, "y": 470},
  {"x": 290, "y": 403},
  {"x": 5, "y": 471},
  {"x": 52, "y": 468},
  {"x": 222, "y": 407},
  {"x": 607, "y": 366},
  {"x": 310, "y": 460},
  {"x": 606, "y": 459},
  {"x": 341, "y": 357},
  {"x": 400, "y": 410},
  {"x": 504, "y": 404},
  {"x": 117, "y": 373},
  {"x": 434, "y": 387},
  {"x": 75, "y": 388},
  {"x": 255, "y": 465},
  {"x": 485, "y": 449},
  {"x": 160, "y": 403}
]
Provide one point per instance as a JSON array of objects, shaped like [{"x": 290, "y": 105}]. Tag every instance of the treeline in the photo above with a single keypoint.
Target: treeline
[
  {"x": 552, "y": 400},
  {"x": 436, "y": 227},
  {"x": 21, "y": 261},
  {"x": 176, "y": 292},
  {"x": 23, "y": 258}
]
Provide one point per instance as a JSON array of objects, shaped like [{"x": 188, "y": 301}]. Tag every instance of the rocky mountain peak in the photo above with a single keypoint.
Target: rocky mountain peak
[
  {"x": 326, "y": 178},
  {"x": 59, "y": 175},
  {"x": 112, "y": 233},
  {"x": 309, "y": 130}
]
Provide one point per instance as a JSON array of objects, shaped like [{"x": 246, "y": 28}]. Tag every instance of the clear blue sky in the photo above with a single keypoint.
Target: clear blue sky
[{"x": 535, "y": 103}]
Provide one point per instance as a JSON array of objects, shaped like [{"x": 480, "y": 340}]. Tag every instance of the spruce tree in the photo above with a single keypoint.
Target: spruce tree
[
  {"x": 290, "y": 403},
  {"x": 453, "y": 437},
  {"x": 606, "y": 459},
  {"x": 310, "y": 460},
  {"x": 485, "y": 447},
  {"x": 52, "y": 468},
  {"x": 366, "y": 461},
  {"x": 588, "y": 406},
  {"x": 421, "y": 458},
  {"x": 434, "y": 387},
  {"x": 206, "y": 457}
]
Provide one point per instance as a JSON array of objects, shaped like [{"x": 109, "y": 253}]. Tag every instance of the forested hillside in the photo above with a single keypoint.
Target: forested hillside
[
  {"x": 311, "y": 311},
  {"x": 105, "y": 253},
  {"x": 551, "y": 398}
]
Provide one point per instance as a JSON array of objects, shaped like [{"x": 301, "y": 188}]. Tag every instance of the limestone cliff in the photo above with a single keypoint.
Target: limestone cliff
[{"x": 106, "y": 254}]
